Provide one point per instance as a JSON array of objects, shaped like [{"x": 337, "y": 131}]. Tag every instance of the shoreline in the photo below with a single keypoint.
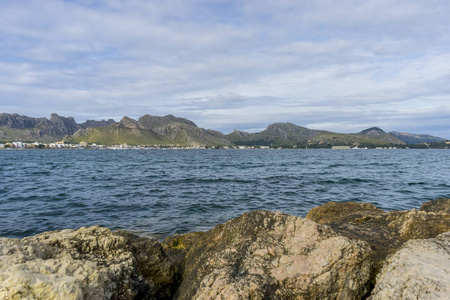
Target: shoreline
[{"x": 260, "y": 254}]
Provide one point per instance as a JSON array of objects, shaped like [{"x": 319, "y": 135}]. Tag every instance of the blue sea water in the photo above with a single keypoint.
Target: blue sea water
[{"x": 160, "y": 192}]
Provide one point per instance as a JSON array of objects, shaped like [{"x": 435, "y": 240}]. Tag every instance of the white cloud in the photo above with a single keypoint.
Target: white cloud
[{"x": 227, "y": 64}]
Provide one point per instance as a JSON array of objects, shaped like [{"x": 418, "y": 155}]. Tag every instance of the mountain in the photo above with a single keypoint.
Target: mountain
[
  {"x": 286, "y": 134},
  {"x": 289, "y": 135},
  {"x": 376, "y": 131},
  {"x": 151, "y": 130},
  {"x": 92, "y": 123},
  {"x": 56, "y": 126},
  {"x": 15, "y": 127},
  {"x": 171, "y": 130},
  {"x": 411, "y": 138},
  {"x": 408, "y": 138}
]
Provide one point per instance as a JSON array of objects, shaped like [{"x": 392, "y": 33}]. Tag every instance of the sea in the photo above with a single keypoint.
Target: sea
[{"x": 157, "y": 193}]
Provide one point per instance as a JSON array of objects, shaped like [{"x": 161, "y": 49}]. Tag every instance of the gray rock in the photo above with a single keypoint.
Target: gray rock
[
  {"x": 419, "y": 270},
  {"x": 385, "y": 232},
  {"x": 267, "y": 255},
  {"x": 88, "y": 263},
  {"x": 37, "y": 129},
  {"x": 93, "y": 123}
]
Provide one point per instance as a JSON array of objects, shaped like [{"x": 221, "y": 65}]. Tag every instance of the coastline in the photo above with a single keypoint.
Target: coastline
[{"x": 339, "y": 250}]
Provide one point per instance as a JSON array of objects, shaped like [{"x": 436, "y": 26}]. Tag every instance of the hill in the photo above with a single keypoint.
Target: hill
[
  {"x": 290, "y": 135},
  {"x": 278, "y": 134},
  {"x": 411, "y": 138},
  {"x": 171, "y": 130},
  {"x": 15, "y": 127},
  {"x": 151, "y": 130}
]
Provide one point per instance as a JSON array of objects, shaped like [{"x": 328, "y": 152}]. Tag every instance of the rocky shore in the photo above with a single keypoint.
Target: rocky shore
[{"x": 339, "y": 251}]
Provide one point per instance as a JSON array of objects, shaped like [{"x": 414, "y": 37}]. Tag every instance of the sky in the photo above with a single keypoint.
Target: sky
[{"x": 341, "y": 66}]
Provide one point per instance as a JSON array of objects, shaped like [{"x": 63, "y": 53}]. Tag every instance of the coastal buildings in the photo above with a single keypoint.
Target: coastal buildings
[{"x": 84, "y": 145}]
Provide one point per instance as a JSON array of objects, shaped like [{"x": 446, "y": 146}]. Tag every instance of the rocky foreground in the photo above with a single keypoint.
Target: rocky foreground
[{"x": 339, "y": 251}]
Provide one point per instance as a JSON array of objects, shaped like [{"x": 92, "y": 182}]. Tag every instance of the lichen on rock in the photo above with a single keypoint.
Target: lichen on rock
[
  {"x": 270, "y": 255},
  {"x": 259, "y": 255},
  {"x": 385, "y": 231}
]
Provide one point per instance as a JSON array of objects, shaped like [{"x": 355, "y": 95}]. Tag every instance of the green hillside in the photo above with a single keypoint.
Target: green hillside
[
  {"x": 171, "y": 130},
  {"x": 149, "y": 130},
  {"x": 286, "y": 134},
  {"x": 115, "y": 135},
  {"x": 290, "y": 135},
  {"x": 26, "y": 135}
]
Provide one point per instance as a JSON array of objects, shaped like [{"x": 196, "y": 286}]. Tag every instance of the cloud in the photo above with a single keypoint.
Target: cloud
[{"x": 230, "y": 64}]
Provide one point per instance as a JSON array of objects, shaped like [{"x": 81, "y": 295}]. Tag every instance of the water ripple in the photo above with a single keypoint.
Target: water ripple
[{"x": 160, "y": 192}]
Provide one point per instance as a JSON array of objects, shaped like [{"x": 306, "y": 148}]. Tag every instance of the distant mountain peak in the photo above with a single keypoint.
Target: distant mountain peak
[
  {"x": 147, "y": 121},
  {"x": 373, "y": 131},
  {"x": 240, "y": 133},
  {"x": 92, "y": 123},
  {"x": 128, "y": 122}
]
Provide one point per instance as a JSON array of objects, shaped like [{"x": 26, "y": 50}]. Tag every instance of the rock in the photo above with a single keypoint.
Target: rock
[
  {"x": 128, "y": 123},
  {"x": 88, "y": 263},
  {"x": 416, "y": 224},
  {"x": 385, "y": 232},
  {"x": 333, "y": 211},
  {"x": 92, "y": 123},
  {"x": 437, "y": 206},
  {"x": 260, "y": 255},
  {"x": 63, "y": 126},
  {"x": 267, "y": 255},
  {"x": 37, "y": 129},
  {"x": 419, "y": 270},
  {"x": 176, "y": 246}
]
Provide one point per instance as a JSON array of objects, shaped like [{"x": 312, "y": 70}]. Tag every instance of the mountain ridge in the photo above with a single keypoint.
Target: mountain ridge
[
  {"x": 151, "y": 130},
  {"x": 172, "y": 130},
  {"x": 411, "y": 138}
]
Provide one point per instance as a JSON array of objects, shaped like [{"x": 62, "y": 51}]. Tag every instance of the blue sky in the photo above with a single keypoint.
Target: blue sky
[{"x": 335, "y": 65}]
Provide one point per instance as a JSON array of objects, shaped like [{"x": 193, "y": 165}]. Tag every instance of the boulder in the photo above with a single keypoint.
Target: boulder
[
  {"x": 437, "y": 206},
  {"x": 270, "y": 255},
  {"x": 88, "y": 263},
  {"x": 419, "y": 270},
  {"x": 415, "y": 224},
  {"x": 385, "y": 231}
]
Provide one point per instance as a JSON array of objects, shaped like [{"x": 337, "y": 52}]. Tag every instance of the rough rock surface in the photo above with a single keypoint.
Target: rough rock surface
[
  {"x": 89, "y": 263},
  {"x": 437, "y": 206},
  {"x": 419, "y": 270},
  {"x": 93, "y": 123},
  {"x": 386, "y": 232},
  {"x": 260, "y": 255},
  {"x": 176, "y": 246},
  {"x": 267, "y": 255}
]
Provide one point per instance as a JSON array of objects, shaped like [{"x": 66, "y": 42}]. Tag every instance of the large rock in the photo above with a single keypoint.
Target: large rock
[
  {"x": 437, "y": 206},
  {"x": 385, "y": 232},
  {"x": 419, "y": 270},
  {"x": 89, "y": 263},
  {"x": 267, "y": 255}
]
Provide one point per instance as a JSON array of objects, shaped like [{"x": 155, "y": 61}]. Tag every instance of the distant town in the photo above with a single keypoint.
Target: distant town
[
  {"x": 83, "y": 145},
  {"x": 86, "y": 146}
]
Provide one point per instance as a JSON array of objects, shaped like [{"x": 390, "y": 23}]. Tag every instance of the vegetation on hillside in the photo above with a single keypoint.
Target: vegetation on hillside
[{"x": 171, "y": 130}]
